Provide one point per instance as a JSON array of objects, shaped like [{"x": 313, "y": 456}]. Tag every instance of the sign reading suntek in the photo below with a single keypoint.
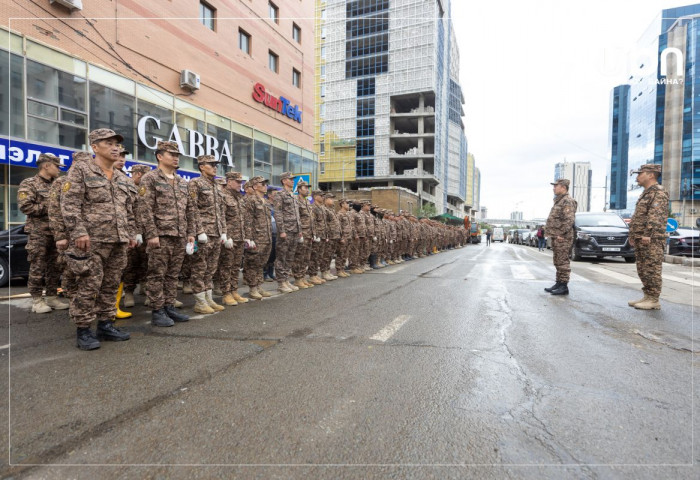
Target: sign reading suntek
[{"x": 281, "y": 105}]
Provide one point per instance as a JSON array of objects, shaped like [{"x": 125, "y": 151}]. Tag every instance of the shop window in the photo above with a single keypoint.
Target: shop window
[
  {"x": 274, "y": 12},
  {"x": 294, "y": 162},
  {"x": 16, "y": 216},
  {"x": 185, "y": 123},
  {"x": 262, "y": 162},
  {"x": 242, "y": 152},
  {"x": 11, "y": 95},
  {"x": 114, "y": 110},
  {"x": 222, "y": 135},
  {"x": 279, "y": 164},
  {"x": 273, "y": 61},
  {"x": 244, "y": 41},
  {"x": 296, "y": 33},
  {"x": 296, "y": 78},
  {"x": 207, "y": 15}
]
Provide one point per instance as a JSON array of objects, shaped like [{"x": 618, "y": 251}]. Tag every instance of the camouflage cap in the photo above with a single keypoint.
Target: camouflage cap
[
  {"x": 167, "y": 146},
  {"x": 140, "y": 169},
  {"x": 649, "y": 167},
  {"x": 318, "y": 193},
  {"x": 220, "y": 180},
  {"x": 329, "y": 195},
  {"x": 123, "y": 151},
  {"x": 365, "y": 202},
  {"x": 48, "y": 157},
  {"x": 286, "y": 175},
  {"x": 302, "y": 183},
  {"x": 103, "y": 134},
  {"x": 562, "y": 181},
  {"x": 202, "y": 159},
  {"x": 81, "y": 155},
  {"x": 234, "y": 176},
  {"x": 255, "y": 180}
]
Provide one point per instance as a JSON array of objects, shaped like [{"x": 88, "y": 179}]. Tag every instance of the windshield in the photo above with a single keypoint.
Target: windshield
[{"x": 600, "y": 220}]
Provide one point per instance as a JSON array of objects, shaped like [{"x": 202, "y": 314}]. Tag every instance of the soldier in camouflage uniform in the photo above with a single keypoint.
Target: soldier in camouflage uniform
[
  {"x": 648, "y": 235},
  {"x": 346, "y": 239},
  {"x": 166, "y": 214},
  {"x": 232, "y": 255},
  {"x": 321, "y": 240},
  {"x": 302, "y": 256},
  {"x": 560, "y": 227},
  {"x": 211, "y": 233},
  {"x": 33, "y": 200},
  {"x": 334, "y": 234},
  {"x": 137, "y": 262},
  {"x": 258, "y": 237},
  {"x": 358, "y": 223},
  {"x": 289, "y": 234},
  {"x": 96, "y": 205}
]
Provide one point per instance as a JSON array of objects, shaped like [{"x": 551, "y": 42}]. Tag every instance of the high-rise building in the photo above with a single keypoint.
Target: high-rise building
[
  {"x": 389, "y": 99},
  {"x": 516, "y": 215},
  {"x": 580, "y": 176},
  {"x": 618, "y": 144}
]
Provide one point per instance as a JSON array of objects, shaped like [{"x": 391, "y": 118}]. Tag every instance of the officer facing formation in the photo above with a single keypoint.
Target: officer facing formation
[
  {"x": 648, "y": 235},
  {"x": 560, "y": 225}
]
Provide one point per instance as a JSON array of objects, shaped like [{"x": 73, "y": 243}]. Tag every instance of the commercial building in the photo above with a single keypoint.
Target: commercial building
[
  {"x": 580, "y": 176},
  {"x": 230, "y": 78},
  {"x": 618, "y": 143},
  {"x": 389, "y": 101},
  {"x": 663, "y": 107}
]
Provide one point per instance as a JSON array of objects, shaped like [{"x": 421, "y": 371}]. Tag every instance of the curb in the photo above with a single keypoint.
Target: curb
[{"x": 685, "y": 261}]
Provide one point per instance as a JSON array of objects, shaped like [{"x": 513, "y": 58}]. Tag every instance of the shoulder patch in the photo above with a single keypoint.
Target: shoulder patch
[
  {"x": 142, "y": 191},
  {"x": 193, "y": 195},
  {"x": 22, "y": 195},
  {"x": 66, "y": 186}
]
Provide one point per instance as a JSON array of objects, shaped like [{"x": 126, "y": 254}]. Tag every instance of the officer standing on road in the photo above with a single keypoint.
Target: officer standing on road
[
  {"x": 560, "y": 225},
  {"x": 97, "y": 211},
  {"x": 648, "y": 235},
  {"x": 33, "y": 200},
  {"x": 289, "y": 233},
  {"x": 166, "y": 212},
  {"x": 302, "y": 255},
  {"x": 258, "y": 240}
]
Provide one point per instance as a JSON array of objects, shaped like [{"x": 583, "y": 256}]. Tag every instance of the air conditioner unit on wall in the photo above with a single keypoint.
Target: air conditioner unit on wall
[
  {"x": 189, "y": 80},
  {"x": 70, "y": 4}
]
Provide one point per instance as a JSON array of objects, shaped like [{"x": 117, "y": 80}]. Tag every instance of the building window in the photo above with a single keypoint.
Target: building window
[
  {"x": 114, "y": 110},
  {"x": 207, "y": 13},
  {"x": 323, "y": 166},
  {"x": 323, "y": 149},
  {"x": 365, "y": 127},
  {"x": 323, "y": 52},
  {"x": 296, "y": 78},
  {"x": 323, "y": 32},
  {"x": 323, "y": 14},
  {"x": 322, "y": 129},
  {"x": 296, "y": 33},
  {"x": 244, "y": 41},
  {"x": 323, "y": 71},
  {"x": 323, "y": 90},
  {"x": 12, "y": 97},
  {"x": 274, "y": 12},
  {"x": 365, "y": 148},
  {"x": 274, "y": 61},
  {"x": 322, "y": 110},
  {"x": 365, "y": 107},
  {"x": 365, "y": 87},
  {"x": 364, "y": 168}
]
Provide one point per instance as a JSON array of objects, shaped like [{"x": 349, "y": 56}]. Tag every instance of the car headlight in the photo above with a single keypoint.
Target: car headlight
[{"x": 583, "y": 236}]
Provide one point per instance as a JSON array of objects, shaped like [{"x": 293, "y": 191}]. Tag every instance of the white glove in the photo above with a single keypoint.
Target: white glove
[
  {"x": 139, "y": 239},
  {"x": 229, "y": 243},
  {"x": 253, "y": 245},
  {"x": 223, "y": 238},
  {"x": 317, "y": 239},
  {"x": 301, "y": 239},
  {"x": 189, "y": 248},
  {"x": 391, "y": 241},
  {"x": 374, "y": 239},
  {"x": 202, "y": 238}
]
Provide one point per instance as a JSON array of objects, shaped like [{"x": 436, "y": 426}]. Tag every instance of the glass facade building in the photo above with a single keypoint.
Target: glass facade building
[{"x": 618, "y": 144}]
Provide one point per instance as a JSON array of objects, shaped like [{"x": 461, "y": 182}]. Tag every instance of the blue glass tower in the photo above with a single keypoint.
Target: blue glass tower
[{"x": 618, "y": 142}]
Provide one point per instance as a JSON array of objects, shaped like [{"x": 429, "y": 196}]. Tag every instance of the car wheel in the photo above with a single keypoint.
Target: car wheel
[
  {"x": 574, "y": 256},
  {"x": 630, "y": 259},
  {"x": 4, "y": 272}
]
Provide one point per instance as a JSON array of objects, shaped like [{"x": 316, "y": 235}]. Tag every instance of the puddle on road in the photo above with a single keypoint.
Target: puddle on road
[{"x": 265, "y": 344}]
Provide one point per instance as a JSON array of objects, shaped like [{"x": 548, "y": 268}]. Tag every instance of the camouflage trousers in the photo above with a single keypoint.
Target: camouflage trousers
[
  {"x": 354, "y": 253},
  {"x": 164, "y": 265},
  {"x": 342, "y": 254},
  {"x": 186, "y": 271},
  {"x": 317, "y": 251},
  {"x": 650, "y": 258},
  {"x": 230, "y": 267},
  {"x": 302, "y": 257},
  {"x": 69, "y": 282},
  {"x": 253, "y": 263},
  {"x": 329, "y": 251},
  {"x": 43, "y": 269},
  {"x": 284, "y": 261},
  {"x": 97, "y": 297},
  {"x": 136, "y": 268},
  {"x": 561, "y": 250},
  {"x": 204, "y": 264}
]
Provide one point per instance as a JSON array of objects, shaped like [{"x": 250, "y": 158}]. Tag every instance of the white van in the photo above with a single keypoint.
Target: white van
[{"x": 497, "y": 235}]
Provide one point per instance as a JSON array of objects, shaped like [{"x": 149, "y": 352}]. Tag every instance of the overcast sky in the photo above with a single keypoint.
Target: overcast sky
[{"x": 537, "y": 78}]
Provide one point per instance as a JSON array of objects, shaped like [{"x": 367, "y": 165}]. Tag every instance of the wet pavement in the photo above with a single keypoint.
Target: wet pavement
[{"x": 457, "y": 365}]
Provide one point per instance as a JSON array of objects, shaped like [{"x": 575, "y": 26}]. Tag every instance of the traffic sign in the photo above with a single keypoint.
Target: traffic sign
[
  {"x": 303, "y": 176},
  {"x": 671, "y": 225}
]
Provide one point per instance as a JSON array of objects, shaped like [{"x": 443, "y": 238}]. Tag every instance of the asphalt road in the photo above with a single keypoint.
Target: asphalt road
[{"x": 457, "y": 365}]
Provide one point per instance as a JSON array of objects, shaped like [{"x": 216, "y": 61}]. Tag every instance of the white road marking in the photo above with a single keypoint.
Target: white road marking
[
  {"x": 521, "y": 272},
  {"x": 387, "y": 332},
  {"x": 617, "y": 276},
  {"x": 5, "y": 346},
  {"x": 671, "y": 278},
  {"x": 579, "y": 278}
]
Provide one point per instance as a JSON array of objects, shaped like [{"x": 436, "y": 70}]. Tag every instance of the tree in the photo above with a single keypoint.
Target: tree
[{"x": 427, "y": 211}]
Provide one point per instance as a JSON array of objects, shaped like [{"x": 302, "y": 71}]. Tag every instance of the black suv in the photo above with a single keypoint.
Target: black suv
[
  {"x": 13, "y": 254},
  {"x": 601, "y": 235}
]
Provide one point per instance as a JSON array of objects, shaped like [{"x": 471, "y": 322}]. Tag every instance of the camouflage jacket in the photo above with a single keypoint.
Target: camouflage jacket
[
  {"x": 165, "y": 208},
  {"x": 58, "y": 228},
  {"x": 286, "y": 213},
  {"x": 392, "y": 230},
  {"x": 333, "y": 222},
  {"x": 346, "y": 225},
  {"x": 369, "y": 223},
  {"x": 358, "y": 223},
  {"x": 258, "y": 225},
  {"x": 306, "y": 217},
  {"x": 651, "y": 214},
  {"x": 209, "y": 206},
  {"x": 33, "y": 200},
  {"x": 92, "y": 204},
  {"x": 320, "y": 221},
  {"x": 235, "y": 215},
  {"x": 560, "y": 222}
]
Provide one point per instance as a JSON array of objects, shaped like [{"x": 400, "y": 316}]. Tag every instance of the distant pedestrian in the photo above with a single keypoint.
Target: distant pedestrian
[
  {"x": 648, "y": 235},
  {"x": 488, "y": 237},
  {"x": 560, "y": 226},
  {"x": 541, "y": 240}
]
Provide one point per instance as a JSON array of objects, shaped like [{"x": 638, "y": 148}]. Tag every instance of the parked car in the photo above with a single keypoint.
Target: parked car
[
  {"x": 525, "y": 237},
  {"x": 601, "y": 235},
  {"x": 518, "y": 234},
  {"x": 497, "y": 235},
  {"x": 511, "y": 235},
  {"x": 684, "y": 241},
  {"x": 13, "y": 254},
  {"x": 533, "y": 238}
]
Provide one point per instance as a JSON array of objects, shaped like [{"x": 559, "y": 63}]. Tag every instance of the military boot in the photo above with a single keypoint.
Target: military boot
[
  {"x": 129, "y": 299},
  {"x": 212, "y": 303},
  {"x": 201, "y": 305},
  {"x": 651, "y": 303},
  {"x": 175, "y": 315},
  {"x": 283, "y": 288},
  {"x": 314, "y": 280},
  {"x": 562, "y": 289},
  {"x": 177, "y": 304},
  {"x": 264, "y": 293},
  {"x": 187, "y": 287},
  {"x": 159, "y": 318},
  {"x": 179, "y": 285},
  {"x": 238, "y": 298},
  {"x": 229, "y": 300},
  {"x": 86, "y": 340},
  {"x": 293, "y": 287},
  {"x": 39, "y": 305},
  {"x": 306, "y": 282},
  {"x": 556, "y": 285},
  {"x": 107, "y": 331},
  {"x": 55, "y": 303},
  {"x": 299, "y": 283},
  {"x": 327, "y": 276},
  {"x": 254, "y": 293},
  {"x": 632, "y": 303}
]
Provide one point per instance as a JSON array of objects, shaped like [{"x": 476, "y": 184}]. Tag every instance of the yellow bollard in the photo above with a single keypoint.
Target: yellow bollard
[{"x": 121, "y": 314}]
